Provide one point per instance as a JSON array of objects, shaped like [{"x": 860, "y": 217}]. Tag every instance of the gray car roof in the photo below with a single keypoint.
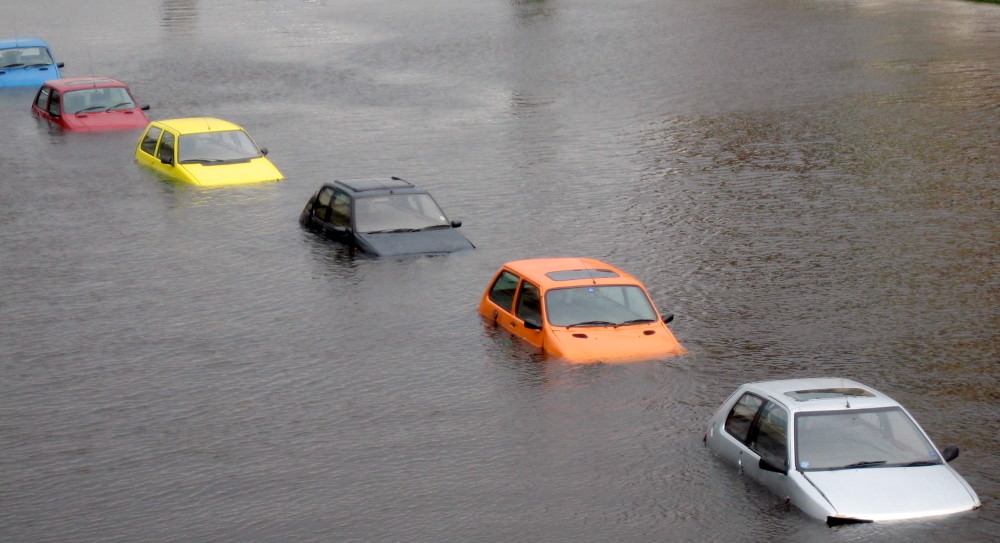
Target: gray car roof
[
  {"x": 821, "y": 394},
  {"x": 382, "y": 185}
]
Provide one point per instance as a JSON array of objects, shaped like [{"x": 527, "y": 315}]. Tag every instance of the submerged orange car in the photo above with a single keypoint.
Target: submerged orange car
[{"x": 578, "y": 309}]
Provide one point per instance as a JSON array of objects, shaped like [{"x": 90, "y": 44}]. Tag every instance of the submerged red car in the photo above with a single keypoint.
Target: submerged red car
[{"x": 89, "y": 104}]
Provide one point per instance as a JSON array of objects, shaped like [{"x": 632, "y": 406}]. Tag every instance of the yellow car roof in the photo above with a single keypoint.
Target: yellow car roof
[{"x": 197, "y": 125}]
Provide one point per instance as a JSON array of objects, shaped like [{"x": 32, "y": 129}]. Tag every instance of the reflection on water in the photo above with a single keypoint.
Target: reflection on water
[{"x": 180, "y": 17}]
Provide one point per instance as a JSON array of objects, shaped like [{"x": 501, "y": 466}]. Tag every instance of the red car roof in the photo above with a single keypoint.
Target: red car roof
[{"x": 73, "y": 83}]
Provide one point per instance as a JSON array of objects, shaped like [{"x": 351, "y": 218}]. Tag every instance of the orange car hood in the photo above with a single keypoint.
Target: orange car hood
[{"x": 589, "y": 344}]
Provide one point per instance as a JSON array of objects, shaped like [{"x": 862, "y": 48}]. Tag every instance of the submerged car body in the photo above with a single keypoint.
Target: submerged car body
[
  {"x": 578, "y": 309},
  {"x": 382, "y": 217},
  {"x": 26, "y": 62},
  {"x": 89, "y": 104},
  {"x": 838, "y": 450},
  {"x": 204, "y": 151}
]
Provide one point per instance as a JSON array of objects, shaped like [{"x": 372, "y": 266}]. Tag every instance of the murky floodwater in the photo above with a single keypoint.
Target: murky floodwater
[{"x": 810, "y": 186}]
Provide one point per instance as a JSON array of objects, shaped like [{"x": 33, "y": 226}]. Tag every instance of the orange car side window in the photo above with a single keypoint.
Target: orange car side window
[
  {"x": 502, "y": 291},
  {"x": 529, "y": 304}
]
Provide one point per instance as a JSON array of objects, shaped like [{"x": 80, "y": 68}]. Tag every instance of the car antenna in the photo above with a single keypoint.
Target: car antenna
[{"x": 847, "y": 398}]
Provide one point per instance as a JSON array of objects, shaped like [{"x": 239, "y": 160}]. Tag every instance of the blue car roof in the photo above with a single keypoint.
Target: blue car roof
[{"x": 7, "y": 43}]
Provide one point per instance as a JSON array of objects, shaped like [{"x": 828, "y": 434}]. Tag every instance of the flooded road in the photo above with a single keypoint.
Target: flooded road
[{"x": 810, "y": 187}]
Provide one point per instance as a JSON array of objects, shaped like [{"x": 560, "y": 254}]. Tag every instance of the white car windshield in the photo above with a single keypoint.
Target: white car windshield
[
  {"x": 598, "y": 306},
  {"x": 398, "y": 213},
  {"x": 216, "y": 147},
  {"x": 860, "y": 438}
]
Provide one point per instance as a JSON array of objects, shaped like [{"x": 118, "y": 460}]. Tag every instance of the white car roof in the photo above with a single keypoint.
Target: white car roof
[{"x": 821, "y": 394}]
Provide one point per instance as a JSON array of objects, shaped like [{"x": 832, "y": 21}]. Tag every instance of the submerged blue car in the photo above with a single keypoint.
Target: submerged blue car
[
  {"x": 382, "y": 217},
  {"x": 26, "y": 62}
]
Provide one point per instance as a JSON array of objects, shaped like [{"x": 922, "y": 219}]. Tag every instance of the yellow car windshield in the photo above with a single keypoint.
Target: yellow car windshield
[{"x": 216, "y": 147}]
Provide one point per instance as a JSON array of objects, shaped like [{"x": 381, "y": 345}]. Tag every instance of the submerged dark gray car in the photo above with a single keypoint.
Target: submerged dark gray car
[{"x": 382, "y": 217}]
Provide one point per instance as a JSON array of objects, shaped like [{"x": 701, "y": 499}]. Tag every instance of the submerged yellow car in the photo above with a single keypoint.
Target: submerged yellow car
[{"x": 204, "y": 151}]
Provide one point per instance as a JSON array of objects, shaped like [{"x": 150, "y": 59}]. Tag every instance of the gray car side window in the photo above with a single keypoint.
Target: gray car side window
[
  {"x": 321, "y": 209},
  {"x": 770, "y": 441},
  {"x": 341, "y": 210},
  {"x": 741, "y": 416}
]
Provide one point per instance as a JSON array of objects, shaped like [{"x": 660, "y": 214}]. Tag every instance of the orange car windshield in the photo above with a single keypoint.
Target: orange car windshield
[{"x": 613, "y": 305}]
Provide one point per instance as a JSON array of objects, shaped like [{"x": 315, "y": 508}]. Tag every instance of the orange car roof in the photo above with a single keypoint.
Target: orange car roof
[{"x": 569, "y": 272}]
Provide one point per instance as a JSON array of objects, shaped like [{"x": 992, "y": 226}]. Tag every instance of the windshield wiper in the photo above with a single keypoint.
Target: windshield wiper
[
  {"x": 201, "y": 160},
  {"x": 394, "y": 231},
  {"x": 638, "y": 321},
  {"x": 128, "y": 105},
  {"x": 862, "y": 464},
  {"x": 436, "y": 226},
  {"x": 591, "y": 323},
  {"x": 920, "y": 463},
  {"x": 15, "y": 65},
  {"x": 91, "y": 108}
]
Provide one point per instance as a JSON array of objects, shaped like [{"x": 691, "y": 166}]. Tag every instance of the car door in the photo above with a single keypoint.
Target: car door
[
  {"x": 166, "y": 157},
  {"x": 41, "y": 104},
  {"x": 145, "y": 152},
  {"x": 336, "y": 220},
  {"x": 516, "y": 302},
  {"x": 755, "y": 429},
  {"x": 768, "y": 440}
]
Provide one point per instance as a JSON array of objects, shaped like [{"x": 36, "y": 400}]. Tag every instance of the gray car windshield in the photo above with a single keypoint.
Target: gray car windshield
[
  {"x": 217, "y": 147},
  {"x": 398, "y": 213},
  {"x": 863, "y": 438},
  {"x": 607, "y": 305}
]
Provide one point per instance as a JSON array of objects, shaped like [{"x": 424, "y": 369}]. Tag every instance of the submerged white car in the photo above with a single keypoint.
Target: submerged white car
[{"x": 838, "y": 450}]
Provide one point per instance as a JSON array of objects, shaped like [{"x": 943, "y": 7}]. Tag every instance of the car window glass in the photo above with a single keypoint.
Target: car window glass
[
  {"x": 340, "y": 213},
  {"x": 54, "y": 108},
  {"x": 741, "y": 415},
  {"x": 835, "y": 439},
  {"x": 324, "y": 197},
  {"x": 615, "y": 304},
  {"x": 42, "y": 100},
  {"x": 75, "y": 102},
  {"x": 166, "y": 150},
  {"x": 149, "y": 140},
  {"x": 321, "y": 208},
  {"x": 502, "y": 291},
  {"x": 25, "y": 56},
  {"x": 529, "y": 304},
  {"x": 771, "y": 438},
  {"x": 397, "y": 212}
]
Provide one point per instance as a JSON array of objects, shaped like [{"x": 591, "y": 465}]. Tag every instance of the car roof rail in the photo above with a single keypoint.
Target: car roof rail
[{"x": 363, "y": 185}]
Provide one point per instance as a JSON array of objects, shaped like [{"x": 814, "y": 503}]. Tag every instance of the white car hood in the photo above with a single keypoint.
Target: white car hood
[{"x": 880, "y": 494}]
